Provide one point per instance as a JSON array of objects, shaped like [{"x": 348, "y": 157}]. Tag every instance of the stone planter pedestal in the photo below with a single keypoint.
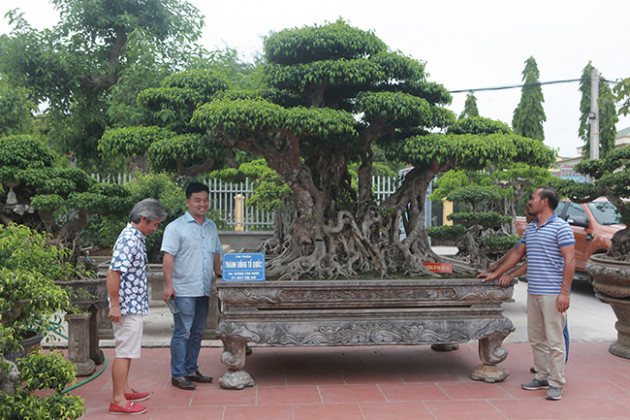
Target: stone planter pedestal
[
  {"x": 611, "y": 282},
  {"x": 78, "y": 343},
  {"x": 89, "y": 295},
  {"x": 441, "y": 313}
]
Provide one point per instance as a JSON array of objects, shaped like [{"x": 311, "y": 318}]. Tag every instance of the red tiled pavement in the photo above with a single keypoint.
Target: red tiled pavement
[{"x": 372, "y": 383}]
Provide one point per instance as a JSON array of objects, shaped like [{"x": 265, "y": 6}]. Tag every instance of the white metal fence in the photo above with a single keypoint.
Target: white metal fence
[
  {"x": 227, "y": 205},
  {"x": 227, "y": 201}
]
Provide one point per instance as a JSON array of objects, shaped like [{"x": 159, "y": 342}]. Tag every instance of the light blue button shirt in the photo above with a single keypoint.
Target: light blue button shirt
[{"x": 193, "y": 246}]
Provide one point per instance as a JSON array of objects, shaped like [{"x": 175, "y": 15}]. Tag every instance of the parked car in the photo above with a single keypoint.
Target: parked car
[{"x": 594, "y": 225}]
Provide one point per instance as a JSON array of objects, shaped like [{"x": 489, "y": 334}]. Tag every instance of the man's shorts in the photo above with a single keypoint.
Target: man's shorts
[{"x": 128, "y": 336}]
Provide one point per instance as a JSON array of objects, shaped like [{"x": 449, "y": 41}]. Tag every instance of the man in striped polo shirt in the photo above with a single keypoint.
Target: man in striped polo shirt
[{"x": 550, "y": 247}]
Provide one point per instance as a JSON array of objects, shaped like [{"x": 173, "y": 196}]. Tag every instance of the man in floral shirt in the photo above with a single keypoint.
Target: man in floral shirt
[{"x": 128, "y": 301}]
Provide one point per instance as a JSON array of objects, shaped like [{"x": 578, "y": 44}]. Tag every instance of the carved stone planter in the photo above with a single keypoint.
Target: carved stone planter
[
  {"x": 363, "y": 312},
  {"x": 88, "y": 295},
  {"x": 611, "y": 282}
]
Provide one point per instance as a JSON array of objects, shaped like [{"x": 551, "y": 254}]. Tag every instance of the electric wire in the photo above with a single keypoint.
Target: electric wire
[{"x": 553, "y": 82}]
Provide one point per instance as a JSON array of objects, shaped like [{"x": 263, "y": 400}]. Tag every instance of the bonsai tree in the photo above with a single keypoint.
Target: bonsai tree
[
  {"x": 41, "y": 190},
  {"x": 30, "y": 300},
  {"x": 172, "y": 144},
  {"x": 611, "y": 175},
  {"x": 485, "y": 232},
  {"x": 338, "y": 92}
]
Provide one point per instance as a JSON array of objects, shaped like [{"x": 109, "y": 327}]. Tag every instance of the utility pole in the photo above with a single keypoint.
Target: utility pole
[{"x": 594, "y": 115}]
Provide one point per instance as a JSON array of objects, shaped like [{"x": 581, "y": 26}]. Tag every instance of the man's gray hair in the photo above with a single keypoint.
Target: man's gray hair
[{"x": 149, "y": 208}]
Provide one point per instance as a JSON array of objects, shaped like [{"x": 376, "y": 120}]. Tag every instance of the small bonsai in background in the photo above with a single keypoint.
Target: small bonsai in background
[
  {"x": 481, "y": 232},
  {"x": 611, "y": 176}
]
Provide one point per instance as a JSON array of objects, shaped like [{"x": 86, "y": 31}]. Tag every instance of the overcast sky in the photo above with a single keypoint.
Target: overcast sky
[{"x": 465, "y": 44}]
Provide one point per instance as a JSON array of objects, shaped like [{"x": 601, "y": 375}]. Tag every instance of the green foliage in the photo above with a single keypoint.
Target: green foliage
[
  {"x": 104, "y": 230},
  {"x": 611, "y": 176},
  {"x": 479, "y": 125},
  {"x": 173, "y": 104},
  {"x": 475, "y": 152},
  {"x": 29, "y": 297},
  {"x": 502, "y": 242},
  {"x": 24, "y": 152},
  {"x": 402, "y": 108},
  {"x": 470, "y": 107},
  {"x": 270, "y": 192},
  {"x": 446, "y": 232},
  {"x": 529, "y": 115},
  {"x": 487, "y": 220},
  {"x": 329, "y": 42},
  {"x": 449, "y": 182},
  {"x": 239, "y": 74},
  {"x": 15, "y": 117},
  {"x": 622, "y": 95},
  {"x": 240, "y": 117},
  {"x": 253, "y": 117},
  {"x": 253, "y": 169},
  {"x": 76, "y": 66},
  {"x": 475, "y": 194},
  {"x": 131, "y": 141},
  {"x": 41, "y": 372},
  {"x": 52, "y": 196},
  {"x": 164, "y": 19},
  {"x": 186, "y": 154}
]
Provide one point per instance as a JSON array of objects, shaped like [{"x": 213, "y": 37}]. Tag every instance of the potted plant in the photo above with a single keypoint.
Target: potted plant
[
  {"x": 29, "y": 268},
  {"x": 30, "y": 301},
  {"x": 611, "y": 271}
]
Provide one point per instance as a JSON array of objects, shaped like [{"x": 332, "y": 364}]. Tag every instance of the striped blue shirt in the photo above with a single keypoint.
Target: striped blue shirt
[
  {"x": 193, "y": 246},
  {"x": 545, "y": 262}
]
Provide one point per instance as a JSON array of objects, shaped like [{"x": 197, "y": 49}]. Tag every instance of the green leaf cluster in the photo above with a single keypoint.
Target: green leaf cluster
[
  {"x": 131, "y": 141},
  {"x": 270, "y": 193},
  {"x": 42, "y": 372},
  {"x": 15, "y": 117},
  {"x": 501, "y": 242},
  {"x": 29, "y": 267},
  {"x": 478, "y": 125},
  {"x": 475, "y": 194},
  {"x": 317, "y": 43},
  {"x": 447, "y": 233},
  {"x": 475, "y": 152},
  {"x": 400, "y": 108},
  {"x": 487, "y": 220}
]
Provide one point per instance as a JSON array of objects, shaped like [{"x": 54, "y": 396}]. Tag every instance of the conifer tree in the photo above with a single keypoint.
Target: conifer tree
[
  {"x": 529, "y": 115},
  {"x": 470, "y": 107}
]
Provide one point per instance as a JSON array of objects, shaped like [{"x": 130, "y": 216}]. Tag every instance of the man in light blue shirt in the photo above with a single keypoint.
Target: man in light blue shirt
[{"x": 192, "y": 255}]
